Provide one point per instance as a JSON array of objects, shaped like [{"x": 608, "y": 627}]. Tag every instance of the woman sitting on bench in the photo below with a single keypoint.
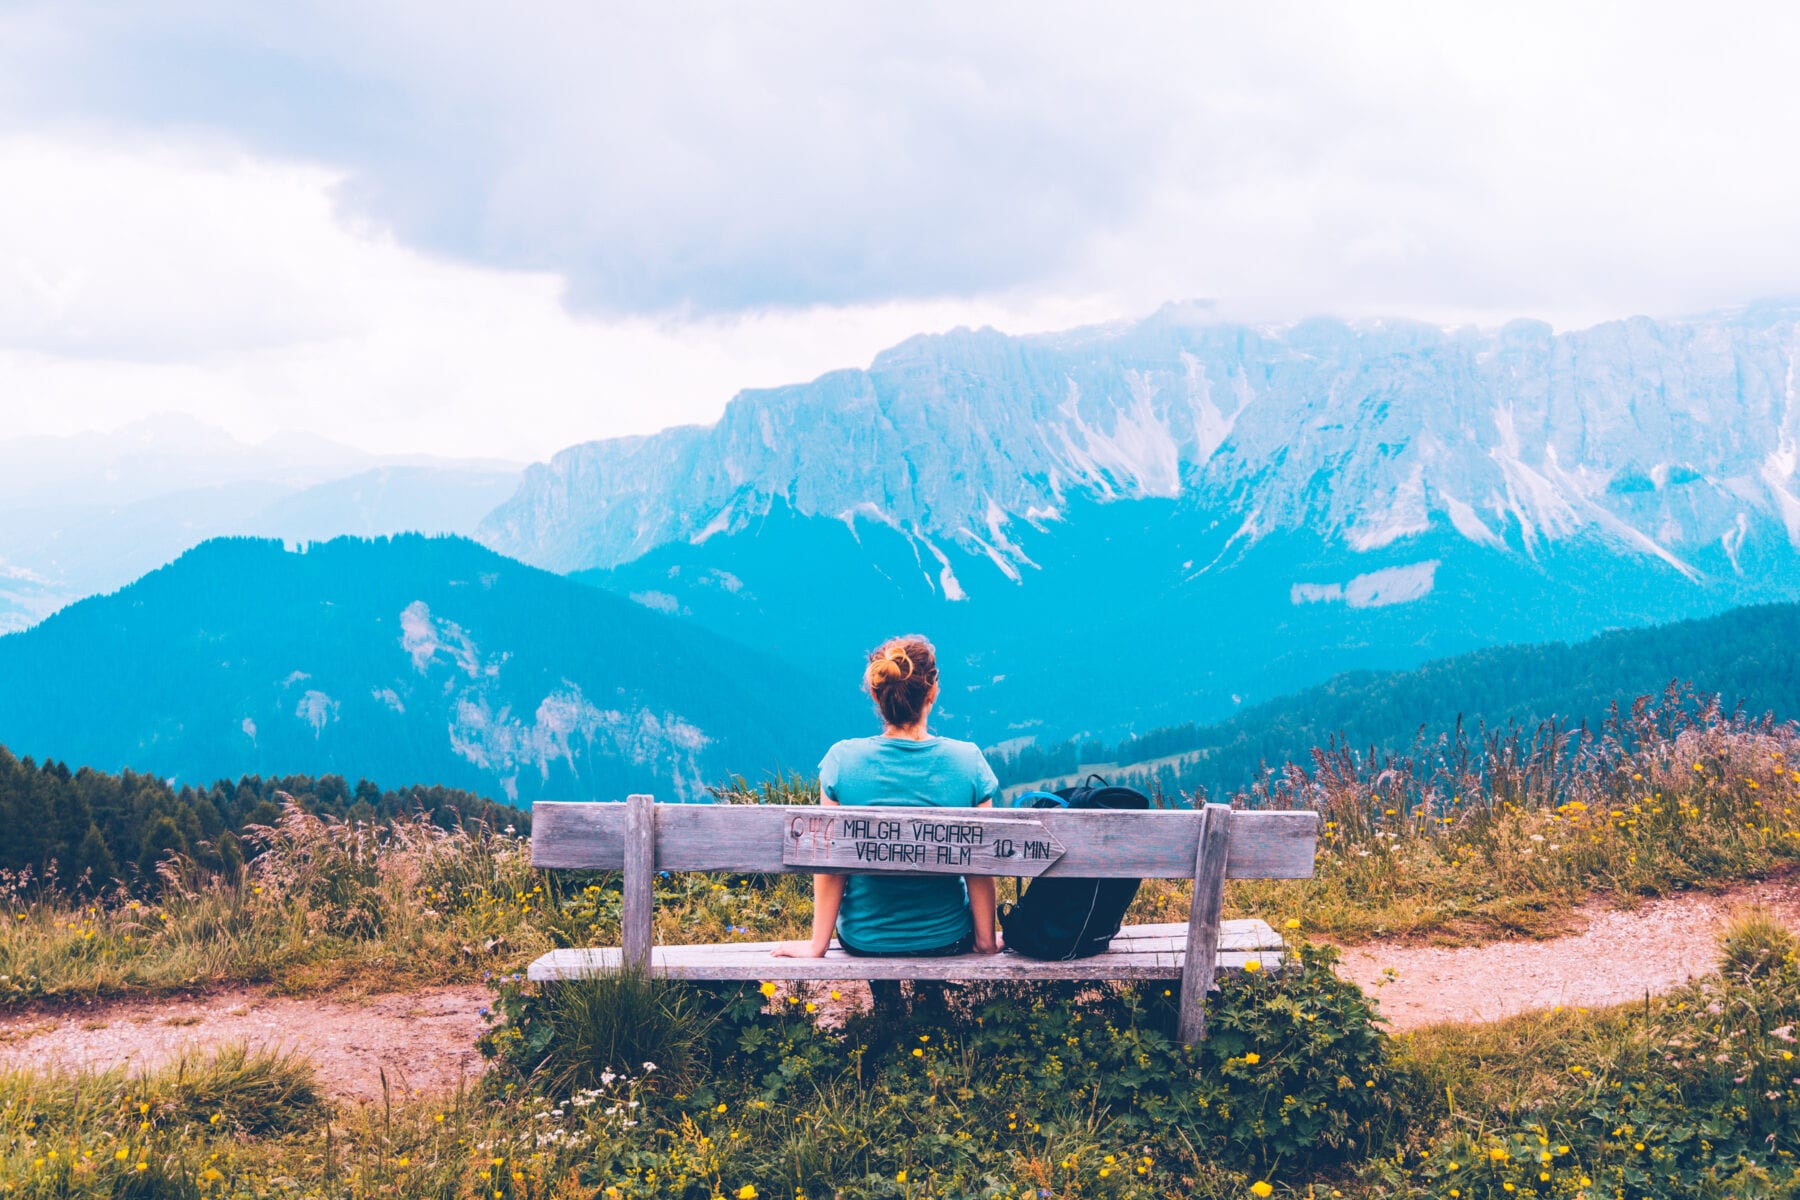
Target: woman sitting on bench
[{"x": 912, "y": 916}]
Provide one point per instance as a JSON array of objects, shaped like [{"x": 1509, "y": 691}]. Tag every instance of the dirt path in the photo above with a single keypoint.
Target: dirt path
[
  {"x": 425, "y": 1040},
  {"x": 1620, "y": 956}
]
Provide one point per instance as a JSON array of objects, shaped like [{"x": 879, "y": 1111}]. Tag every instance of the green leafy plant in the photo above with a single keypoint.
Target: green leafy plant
[{"x": 582, "y": 1034}]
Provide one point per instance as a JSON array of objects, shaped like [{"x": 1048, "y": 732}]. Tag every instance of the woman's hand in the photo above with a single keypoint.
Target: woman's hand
[
  {"x": 991, "y": 944},
  {"x": 797, "y": 950}
]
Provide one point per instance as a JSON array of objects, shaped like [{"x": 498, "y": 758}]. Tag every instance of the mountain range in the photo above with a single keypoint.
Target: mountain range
[
  {"x": 1130, "y": 525},
  {"x": 1107, "y": 531},
  {"x": 428, "y": 660}
]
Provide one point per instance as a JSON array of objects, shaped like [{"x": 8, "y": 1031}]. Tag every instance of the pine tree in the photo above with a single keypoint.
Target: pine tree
[{"x": 91, "y": 865}]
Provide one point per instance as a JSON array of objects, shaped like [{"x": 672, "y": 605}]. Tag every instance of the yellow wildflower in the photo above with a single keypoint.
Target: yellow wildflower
[
  {"x": 768, "y": 989},
  {"x": 1261, "y": 1188}
]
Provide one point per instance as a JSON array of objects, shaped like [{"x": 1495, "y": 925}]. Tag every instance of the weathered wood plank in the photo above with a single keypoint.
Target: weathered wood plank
[
  {"x": 1201, "y": 960},
  {"x": 636, "y": 918},
  {"x": 578, "y": 835},
  {"x": 952, "y": 841},
  {"x": 1147, "y": 951},
  {"x": 676, "y": 962},
  {"x": 749, "y": 838},
  {"x": 1234, "y": 935},
  {"x": 1240, "y": 934}
]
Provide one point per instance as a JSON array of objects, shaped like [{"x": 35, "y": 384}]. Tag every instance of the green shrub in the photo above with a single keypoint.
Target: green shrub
[
  {"x": 1063, "y": 1086},
  {"x": 1303, "y": 1064},
  {"x": 1754, "y": 944},
  {"x": 582, "y": 1035},
  {"x": 258, "y": 1092}
]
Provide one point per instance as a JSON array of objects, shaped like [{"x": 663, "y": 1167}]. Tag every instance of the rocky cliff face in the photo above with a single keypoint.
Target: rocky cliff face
[
  {"x": 1674, "y": 441},
  {"x": 1124, "y": 526}
]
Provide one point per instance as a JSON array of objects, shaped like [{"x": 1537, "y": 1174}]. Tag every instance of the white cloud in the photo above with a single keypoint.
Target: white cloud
[
  {"x": 375, "y": 221},
  {"x": 1400, "y": 156},
  {"x": 169, "y": 276}
]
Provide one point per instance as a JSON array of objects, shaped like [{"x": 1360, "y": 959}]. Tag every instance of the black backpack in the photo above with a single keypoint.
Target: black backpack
[{"x": 1058, "y": 918}]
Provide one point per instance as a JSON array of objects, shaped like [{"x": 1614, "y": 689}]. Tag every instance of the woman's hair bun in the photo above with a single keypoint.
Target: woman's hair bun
[{"x": 900, "y": 675}]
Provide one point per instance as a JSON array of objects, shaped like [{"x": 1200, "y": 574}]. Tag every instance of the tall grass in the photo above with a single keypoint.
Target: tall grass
[
  {"x": 1507, "y": 833},
  {"x": 588, "y": 1034},
  {"x": 1469, "y": 838},
  {"x": 324, "y": 904},
  {"x": 154, "y": 1133}
]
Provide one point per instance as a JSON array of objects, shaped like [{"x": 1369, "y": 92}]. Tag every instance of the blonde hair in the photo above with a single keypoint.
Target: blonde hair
[{"x": 900, "y": 677}]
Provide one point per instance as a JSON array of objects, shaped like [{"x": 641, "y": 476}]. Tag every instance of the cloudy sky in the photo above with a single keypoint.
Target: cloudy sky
[{"x": 501, "y": 229}]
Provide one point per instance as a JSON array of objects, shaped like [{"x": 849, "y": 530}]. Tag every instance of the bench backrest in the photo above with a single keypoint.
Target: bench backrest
[
  {"x": 1158, "y": 844},
  {"x": 1207, "y": 845}
]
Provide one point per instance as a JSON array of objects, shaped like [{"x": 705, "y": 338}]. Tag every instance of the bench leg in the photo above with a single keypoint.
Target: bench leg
[
  {"x": 1202, "y": 959},
  {"x": 635, "y": 919}
]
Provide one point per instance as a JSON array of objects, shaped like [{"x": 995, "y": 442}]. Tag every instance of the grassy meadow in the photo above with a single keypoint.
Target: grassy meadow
[{"x": 627, "y": 1087}]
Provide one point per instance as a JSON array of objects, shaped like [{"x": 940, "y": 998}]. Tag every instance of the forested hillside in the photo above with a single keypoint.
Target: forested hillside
[
  {"x": 1749, "y": 657},
  {"x": 429, "y": 660},
  {"x": 87, "y": 828}
]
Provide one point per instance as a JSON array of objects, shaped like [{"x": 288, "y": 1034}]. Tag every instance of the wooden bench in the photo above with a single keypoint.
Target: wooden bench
[{"x": 1208, "y": 845}]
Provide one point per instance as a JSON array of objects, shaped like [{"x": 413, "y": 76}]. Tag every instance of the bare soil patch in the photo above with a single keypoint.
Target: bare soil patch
[
  {"x": 1621, "y": 955},
  {"x": 424, "y": 1041}
]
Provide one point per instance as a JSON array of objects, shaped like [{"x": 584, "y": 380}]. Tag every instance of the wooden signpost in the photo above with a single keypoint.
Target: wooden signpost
[{"x": 954, "y": 843}]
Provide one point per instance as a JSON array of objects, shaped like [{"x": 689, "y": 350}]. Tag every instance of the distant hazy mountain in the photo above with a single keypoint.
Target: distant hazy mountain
[
  {"x": 154, "y": 456},
  {"x": 90, "y": 513},
  {"x": 1120, "y": 527},
  {"x": 387, "y": 500},
  {"x": 1747, "y": 659},
  {"x": 426, "y": 660}
]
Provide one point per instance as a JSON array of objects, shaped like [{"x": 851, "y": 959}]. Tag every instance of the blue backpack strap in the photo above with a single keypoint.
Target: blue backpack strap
[{"x": 1039, "y": 800}]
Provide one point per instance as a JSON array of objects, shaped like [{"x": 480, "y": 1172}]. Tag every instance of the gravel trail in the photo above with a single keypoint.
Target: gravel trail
[{"x": 424, "y": 1040}]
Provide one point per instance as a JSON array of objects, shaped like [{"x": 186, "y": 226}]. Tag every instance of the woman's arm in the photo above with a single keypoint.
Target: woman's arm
[
  {"x": 981, "y": 907},
  {"x": 828, "y": 897}
]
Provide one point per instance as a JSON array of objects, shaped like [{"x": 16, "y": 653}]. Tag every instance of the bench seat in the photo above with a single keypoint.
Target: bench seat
[
  {"x": 1208, "y": 845},
  {"x": 1138, "y": 952}
]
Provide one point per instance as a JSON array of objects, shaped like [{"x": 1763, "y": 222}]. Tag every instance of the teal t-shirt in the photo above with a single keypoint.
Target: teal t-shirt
[{"x": 890, "y": 914}]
